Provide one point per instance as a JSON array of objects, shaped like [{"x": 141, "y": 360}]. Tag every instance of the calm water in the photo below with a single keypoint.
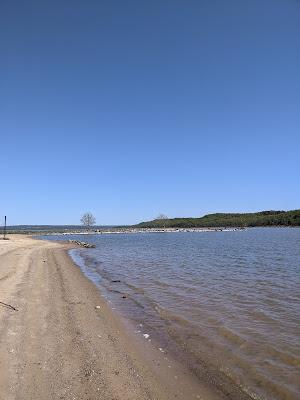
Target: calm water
[{"x": 230, "y": 300}]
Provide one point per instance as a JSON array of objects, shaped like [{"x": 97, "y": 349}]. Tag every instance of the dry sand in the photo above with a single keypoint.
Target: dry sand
[{"x": 60, "y": 345}]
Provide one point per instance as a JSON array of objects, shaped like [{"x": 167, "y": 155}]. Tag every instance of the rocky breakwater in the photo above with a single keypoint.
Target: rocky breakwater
[{"x": 82, "y": 244}]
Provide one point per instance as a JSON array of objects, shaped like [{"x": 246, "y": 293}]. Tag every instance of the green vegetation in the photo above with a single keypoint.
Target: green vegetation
[{"x": 263, "y": 218}]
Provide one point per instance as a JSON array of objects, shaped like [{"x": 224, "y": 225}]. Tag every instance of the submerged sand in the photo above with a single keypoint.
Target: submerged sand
[{"x": 62, "y": 341}]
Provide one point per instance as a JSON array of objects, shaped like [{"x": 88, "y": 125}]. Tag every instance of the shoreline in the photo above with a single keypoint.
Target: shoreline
[
  {"x": 66, "y": 342},
  {"x": 172, "y": 352}
]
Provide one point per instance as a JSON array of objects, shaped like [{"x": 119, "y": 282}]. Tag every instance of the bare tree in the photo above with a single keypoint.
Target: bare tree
[
  {"x": 162, "y": 216},
  {"x": 88, "y": 220}
]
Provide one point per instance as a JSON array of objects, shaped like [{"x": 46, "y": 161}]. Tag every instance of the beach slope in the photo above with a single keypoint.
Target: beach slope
[{"x": 60, "y": 340}]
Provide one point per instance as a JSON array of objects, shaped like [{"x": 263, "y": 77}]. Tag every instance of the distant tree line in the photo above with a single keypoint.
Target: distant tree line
[{"x": 263, "y": 218}]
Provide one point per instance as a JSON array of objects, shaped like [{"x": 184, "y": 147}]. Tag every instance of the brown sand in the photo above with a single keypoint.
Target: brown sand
[{"x": 59, "y": 345}]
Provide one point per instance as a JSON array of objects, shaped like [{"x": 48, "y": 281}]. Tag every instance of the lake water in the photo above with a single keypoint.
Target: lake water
[{"x": 225, "y": 301}]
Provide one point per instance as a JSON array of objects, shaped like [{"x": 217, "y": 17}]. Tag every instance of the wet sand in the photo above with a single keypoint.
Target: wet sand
[{"x": 64, "y": 342}]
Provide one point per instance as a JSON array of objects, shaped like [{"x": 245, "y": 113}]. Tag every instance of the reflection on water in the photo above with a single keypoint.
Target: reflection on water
[{"x": 231, "y": 299}]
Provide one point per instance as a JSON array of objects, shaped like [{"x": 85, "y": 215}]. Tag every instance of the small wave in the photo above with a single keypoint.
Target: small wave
[
  {"x": 161, "y": 284},
  {"x": 231, "y": 336},
  {"x": 285, "y": 357},
  {"x": 134, "y": 288},
  {"x": 171, "y": 317}
]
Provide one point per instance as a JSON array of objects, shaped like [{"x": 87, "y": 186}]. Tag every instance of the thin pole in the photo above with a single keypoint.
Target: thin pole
[{"x": 4, "y": 233}]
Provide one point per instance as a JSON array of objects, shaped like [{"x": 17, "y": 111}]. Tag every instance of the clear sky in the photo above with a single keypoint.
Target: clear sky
[{"x": 133, "y": 108}]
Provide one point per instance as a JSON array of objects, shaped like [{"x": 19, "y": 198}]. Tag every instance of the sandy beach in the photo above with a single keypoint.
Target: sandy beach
[{"x": 62, "y": 341}]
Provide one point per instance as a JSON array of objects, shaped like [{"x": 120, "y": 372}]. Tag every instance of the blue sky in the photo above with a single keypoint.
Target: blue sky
[{"x": 132, "y": 108}]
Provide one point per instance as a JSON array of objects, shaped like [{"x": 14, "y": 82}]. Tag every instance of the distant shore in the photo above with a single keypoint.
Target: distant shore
[
  {"x": 143, "y": 230},
  {"x": 116, "y": 230},
  {"x": 59, "y": 339}
]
